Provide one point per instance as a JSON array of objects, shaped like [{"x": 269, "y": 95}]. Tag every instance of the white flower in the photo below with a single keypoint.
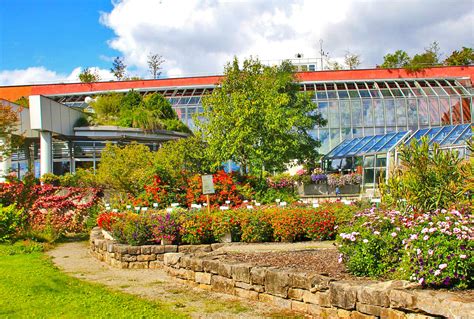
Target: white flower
[
  {"x": 462, "y": 256},
  {"x": 365, "y": 241},
  {"x": 376, "y": 232},
  {"x": 418, "y": 251},
  {"x": 430, "y": 252},
  {"x": 413, "y": 236},
  {"x": 394, "y": 234},
  {"x": 442, "y": 266},
  {"x": 437, "y": 272},
  {"x": 426, "y": 237}
]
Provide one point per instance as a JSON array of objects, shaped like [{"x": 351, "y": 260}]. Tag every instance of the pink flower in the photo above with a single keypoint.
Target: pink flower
[
  {"x": 462, "y": 256},
  {"x": 421, "y": 281},
  {"x": 414, "y": 236},
  {"x": 437, "y": 272},
  {"x": 394, "y": 234},
  {"x": 426, "y": 237},
  {"x": 430, "y": 252},
  {"x": 442, "y": 266}
]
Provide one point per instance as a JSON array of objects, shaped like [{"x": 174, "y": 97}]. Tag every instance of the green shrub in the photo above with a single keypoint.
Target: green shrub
[
  {"x": 50, "y": 178},
  {"x": 134, "y": 229},
  {"x": 11, "y": 219},
  {"x": 256, "y": 227}
]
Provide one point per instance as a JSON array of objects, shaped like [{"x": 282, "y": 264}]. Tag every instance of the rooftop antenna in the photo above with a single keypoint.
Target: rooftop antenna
[{"x": 322, "y": 54}]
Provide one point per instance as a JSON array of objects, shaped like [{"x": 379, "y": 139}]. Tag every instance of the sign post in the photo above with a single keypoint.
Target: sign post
[{"x": 207, "y": 188}]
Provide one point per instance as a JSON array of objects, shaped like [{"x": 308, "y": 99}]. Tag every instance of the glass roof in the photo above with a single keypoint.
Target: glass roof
[{"x": 445, "y": 136}]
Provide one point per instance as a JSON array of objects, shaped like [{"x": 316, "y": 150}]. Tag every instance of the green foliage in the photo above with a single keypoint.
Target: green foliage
[
  {"x": 50, "y": 178},
  {"x": 82, "y": 121},
  {"x": 428, "y": 179},
  {"x": 465, "y": 56},
  {"x": 23, "y": 101},
  {"x": 134, "y": 229},
  {"x": 89, "y": 76},
  {"x": 118, "y": 68},
  {"x": 153, "y": 112},
  {"x": 256, "y": 228},
  {"x": 258, "y": 118},
  {"x": 126, "y": 168},
  {"x": 398, "y": 59},
  {"x": 11, "y": 219},
  {"x": 269, "y": 195},
  {"x": 183, "y": 155}
]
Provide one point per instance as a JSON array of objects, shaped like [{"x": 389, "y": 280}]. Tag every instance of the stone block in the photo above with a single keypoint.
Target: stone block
[
  {"x": 277, "y": 283},
  {"x": 224, "y": 270},
  {"x": 110, "y": 247},
  {"x": 134, "y": 250},
  {"x": 315, "y": 311},
  {"x": 310, "y": 297},
  {"x": 120, "y": 249},
  {"x": 282, "y": 303},
  {"x": 155, "y": 264},
  {"x": 343, "y": 294},
  {"x": 157, "y": 249},
  {"x": 171, "y": 248},
  {"x": 369, "y": 309},
  {"x": 145, "y": 250},
  {"x": 389, "y": 313},
  {"x": 194, "y": 249},
  {"x": 402, "y": 299},
  {"x": 444, "y": 304},
  {"x": 299, "y": 306},
  {"x": 241, "y": 272},
  {"x": 257, "y": 275},
  {"x": 137, "y": 265},
  {"x": 172, "y": 259},
  {"x": 197, "y": 264},
  {"x": 296, "y": 294},
  {"x": 203, "y": 278},
  {"x": 324, "y": 299},
  {"x": 185, "y": 262},
  {"x": 422, "y": 316},
  {"x": 247, "y": 294},
  {"x": 359, "y": 315},
  {"x": 217, "y": 246},
  {"x": 344, "y": 314},
  {"x": 377, "y": 294},
  {"x": 128, "y": 258},
  {"x": 222, "y": 284},
  {"x": 210, "y": 265},
  {"x": 150, "y": 257}
]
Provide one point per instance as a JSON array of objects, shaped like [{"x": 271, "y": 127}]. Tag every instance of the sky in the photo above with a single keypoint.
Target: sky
[{"x": 50, "y": 41}]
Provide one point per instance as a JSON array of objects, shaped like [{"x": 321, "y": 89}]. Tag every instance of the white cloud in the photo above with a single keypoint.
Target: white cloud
[
  {"x": 198, "y": 37},
  {"x": 36, "y": 75}
]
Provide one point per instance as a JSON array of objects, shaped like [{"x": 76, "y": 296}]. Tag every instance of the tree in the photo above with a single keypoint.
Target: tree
[
  {"x": 88, "y": 76},
  {"x": 463, "y": 57},
  {"x": 154, "y": 64},
  {"x": 118, "y": 68},
  {"x": 352, "y": 60},
  {"x": 9, "y": 140},
  {"x": 258, "y": 117},
  {"x": 399, "y": 59},
  {"x": 429, "y": 58}
]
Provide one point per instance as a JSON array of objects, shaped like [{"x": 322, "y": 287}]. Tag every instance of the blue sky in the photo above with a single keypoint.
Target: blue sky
[
  {"x": 46, "y": 41},
  {"x": 56, "y": 34}
]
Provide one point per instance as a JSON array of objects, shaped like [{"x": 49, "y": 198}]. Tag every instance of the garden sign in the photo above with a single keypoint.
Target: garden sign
[{"x": 207, "y": 188}]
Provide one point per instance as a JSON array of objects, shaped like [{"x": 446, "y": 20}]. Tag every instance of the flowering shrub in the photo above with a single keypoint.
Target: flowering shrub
[
  {"x": 256, "y": 227},
  {"x": 434, "y": 249},
  {"x": 196, "y": 228},
  {"x": 341, "y": 180},
  {"x": 280, "y": 181},
  {"x": 106, "y": 220},
  {"x": 320, "y": 225},
  {"x": 226, "y": 221},
  {"x": 133, "y": 229},
  {"x": 165, "y": 227}
]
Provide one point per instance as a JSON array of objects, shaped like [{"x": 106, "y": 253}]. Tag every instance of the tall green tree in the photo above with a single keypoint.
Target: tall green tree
[
  {"x": 465, "y": 56},
  {"x": 258, "y": 117},
  {"x": 89, "y": 76},
  {"x": 398, "y": 59},
  {"x": 118, "y": 68}
]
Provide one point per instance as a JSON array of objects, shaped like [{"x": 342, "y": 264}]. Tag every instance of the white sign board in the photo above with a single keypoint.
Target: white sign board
[{"x": 207, "y": 184}]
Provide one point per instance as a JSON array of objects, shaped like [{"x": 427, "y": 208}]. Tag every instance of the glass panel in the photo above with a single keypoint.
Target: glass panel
[
  {"x": 356, "y": 149},
  {"x": 321, "y": 95},
  {"x": 400, "y": 107},
  {"x": 323, "y": 109},
  {"x": 467, "y": 135},
  {"x": 381, "y": 142},
  {"x": 343, "y": 94},
  {"x": 324, "y": 138},
  {"x": 332, "y": 95},
  {"x": 369, "y": 161},
  {"x": 356, "y": 112},
  {"x": 353, "y": 94},
  {"x": 381, "y": 160},
  {"x": 339, "y": 147},
  {"x": 423, "y": 111},
  {"x": 380, "y": 175},
  {"x": 454, "y": 135},
  {"x": 466, "y": 110},
  {"x": 434, "y": 111},
  {"x": 432, "y": 132},
  {"x": 369, "y": 145},
  {"x": 353, "y": 144},
  {"x": 378, "y": 113},
  {"x": 368, "y": 112},
  {"x": 412, "y": 113},
  {"x": 346, "y": 164},
  {"x": 345, "y": 110},
  {"x": 389, "y": 112},
  {"x": 442, "y": 134},
  {"x": 335, "y": 137},
  {"x": 364, "y": 93},
  {"x": 392, "y": 142},
  {"x": 444, "y": 111},
  {"x": 333, "y": 114},
  {"x": 369, "y": 176},
  {"x": 456, "y": 110}
]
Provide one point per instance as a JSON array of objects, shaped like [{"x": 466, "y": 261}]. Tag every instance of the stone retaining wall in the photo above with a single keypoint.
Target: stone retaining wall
[{"x": 313, "y": 294}]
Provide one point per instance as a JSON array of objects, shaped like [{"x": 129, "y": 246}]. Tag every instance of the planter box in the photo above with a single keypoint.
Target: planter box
[
  {"x": 313, "y": 189},
  {"x": 345, "y": 190}
]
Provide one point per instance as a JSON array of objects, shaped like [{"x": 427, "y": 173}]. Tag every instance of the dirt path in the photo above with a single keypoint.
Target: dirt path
[{"x": 155, "y": 284}]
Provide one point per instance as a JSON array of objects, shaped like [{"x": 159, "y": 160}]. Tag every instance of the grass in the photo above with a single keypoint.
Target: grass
[{"x": 31, "y": 287}]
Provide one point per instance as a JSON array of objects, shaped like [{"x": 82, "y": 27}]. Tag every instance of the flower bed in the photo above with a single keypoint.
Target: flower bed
[
  {"x": 267, "y": 224},
  {"x": 434, "y": 249}
]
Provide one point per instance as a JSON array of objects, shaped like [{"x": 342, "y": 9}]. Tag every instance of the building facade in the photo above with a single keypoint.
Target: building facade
[{"x": 356, "y": 103}]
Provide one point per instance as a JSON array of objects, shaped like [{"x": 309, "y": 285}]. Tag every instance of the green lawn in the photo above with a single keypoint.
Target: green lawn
[{"x": 31, "y": 287}]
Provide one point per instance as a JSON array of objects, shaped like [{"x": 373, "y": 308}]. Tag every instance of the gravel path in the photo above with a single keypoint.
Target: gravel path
[{"x": 154, "y": 284}]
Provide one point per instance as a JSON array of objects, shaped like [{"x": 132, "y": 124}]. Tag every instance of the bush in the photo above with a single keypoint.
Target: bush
[
  {"x": 11, "y": 219},
  {"x": 196, "y": 228},
  {"x": 256, "y": 227},
  {"x": 50, "y": 178},
  {"x": 434, "y": 249},
  {"x": 134, "y": 229}
]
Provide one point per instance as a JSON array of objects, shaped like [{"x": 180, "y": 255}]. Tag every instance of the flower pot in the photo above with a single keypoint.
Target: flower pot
[
  {"x": 226, "y": 238},
  {"x": 166, "y": 241},
  {"x": 107, "y": 235},
  {"x": 313, "y": 189}
]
